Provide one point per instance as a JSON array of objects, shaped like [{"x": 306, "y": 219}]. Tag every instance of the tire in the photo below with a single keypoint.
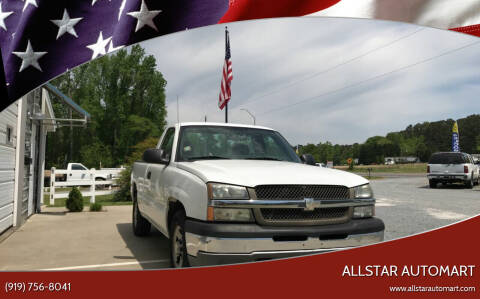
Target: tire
[
  {"x": 178, "y": 248},
  {"x": 141, "y": 226},
  {"x": 99, "y": 187},
  {"x": 469, "y": 183},
  {"x": 432, "y": 183}
]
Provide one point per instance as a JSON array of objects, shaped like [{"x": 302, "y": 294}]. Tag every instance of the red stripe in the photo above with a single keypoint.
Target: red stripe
[
  {"x": 259, "y": 9},
  {"x": 225, "y": 92},
  {"x": 472, "y": 29}
]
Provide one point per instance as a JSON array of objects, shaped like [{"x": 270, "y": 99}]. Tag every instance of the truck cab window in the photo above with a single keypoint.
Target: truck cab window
[
  {"x": 78, "y": 167},
  {"x": 167, "y": 142}
]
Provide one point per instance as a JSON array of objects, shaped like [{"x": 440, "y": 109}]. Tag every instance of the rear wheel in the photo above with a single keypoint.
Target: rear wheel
[
  {"x": 469, "y": 183},
  {"x": 432, "y": 183},
  {"x": 178, "y": 245},
  {"x": 141, "y": 226},
  {"x": 99, "y": 187}
]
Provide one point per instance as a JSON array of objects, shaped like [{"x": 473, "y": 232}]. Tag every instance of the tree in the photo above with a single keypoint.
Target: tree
[
  {"x": 419, "y": 140},
  {"x": 124, "y": 181},
  {"x": 125, "y": 95}
]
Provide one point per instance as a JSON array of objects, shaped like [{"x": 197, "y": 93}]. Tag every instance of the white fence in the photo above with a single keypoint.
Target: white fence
[{"x": 88, "y": 179}]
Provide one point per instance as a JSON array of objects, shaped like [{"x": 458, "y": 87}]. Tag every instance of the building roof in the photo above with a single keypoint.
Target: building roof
[{"x": 67, "y": 100}]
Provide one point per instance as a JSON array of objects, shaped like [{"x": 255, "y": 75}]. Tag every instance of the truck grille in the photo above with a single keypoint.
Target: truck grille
[
  {"x": 299, "y": 192},
  {"x": 296, "y": 216},
  {"x": 300, "y": 214}
]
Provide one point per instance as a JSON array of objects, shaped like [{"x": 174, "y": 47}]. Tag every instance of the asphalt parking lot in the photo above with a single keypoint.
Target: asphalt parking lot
[{"x": 56, "y": 240}]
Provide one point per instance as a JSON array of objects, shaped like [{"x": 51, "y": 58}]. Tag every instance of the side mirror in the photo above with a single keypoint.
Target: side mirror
[
  {"x": 307, "y": 159},
  {"x": 156, "y": 156}
]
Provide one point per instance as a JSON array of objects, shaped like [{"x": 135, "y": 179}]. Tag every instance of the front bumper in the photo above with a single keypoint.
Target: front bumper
[{"x": 225, "y": 243}]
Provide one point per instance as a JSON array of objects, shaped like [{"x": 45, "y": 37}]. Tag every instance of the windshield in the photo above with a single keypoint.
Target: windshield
[
  {"x": 215, "y": 142},
  {"x": 447, "y": 158}
]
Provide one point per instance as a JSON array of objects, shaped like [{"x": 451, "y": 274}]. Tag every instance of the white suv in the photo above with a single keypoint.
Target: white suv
[{"x": 452, "y": 167}]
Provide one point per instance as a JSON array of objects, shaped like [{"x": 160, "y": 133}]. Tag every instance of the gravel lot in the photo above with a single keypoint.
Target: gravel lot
[{"x": 408, "y": 206}]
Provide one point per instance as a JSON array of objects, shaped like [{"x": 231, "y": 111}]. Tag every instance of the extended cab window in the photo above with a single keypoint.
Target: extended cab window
[
  {"x": 167, "y": 142},
  {"x": 78, "y": 167}
]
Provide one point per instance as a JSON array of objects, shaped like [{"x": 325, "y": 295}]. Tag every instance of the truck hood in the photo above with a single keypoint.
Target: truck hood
[{"x": 251, "y": 173}]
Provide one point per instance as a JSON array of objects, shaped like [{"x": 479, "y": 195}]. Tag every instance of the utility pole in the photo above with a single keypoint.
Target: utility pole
[
  {"x": 178, "y": 111},
  {"x": 253, "y": 116}
]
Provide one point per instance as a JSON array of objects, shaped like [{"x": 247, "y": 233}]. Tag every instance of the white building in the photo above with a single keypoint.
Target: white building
[{"x": 23, "y": 129}]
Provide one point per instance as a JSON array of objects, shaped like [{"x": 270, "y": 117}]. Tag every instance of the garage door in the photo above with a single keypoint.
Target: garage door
[{"x": 8, "y": 141}]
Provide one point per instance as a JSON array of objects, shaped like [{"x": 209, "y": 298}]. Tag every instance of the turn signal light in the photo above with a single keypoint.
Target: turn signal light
[
  {"x": 465, "y": 169},
  {"x": 210, "y": 216}
]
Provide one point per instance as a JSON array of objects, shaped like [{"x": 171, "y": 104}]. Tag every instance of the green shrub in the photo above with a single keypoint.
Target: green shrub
[
  {"x": 123, "y": 194},
  {"x": 95, "y": 207},
  {"x": 124, "y": 182},
  {"x": 74, "y": 202}
]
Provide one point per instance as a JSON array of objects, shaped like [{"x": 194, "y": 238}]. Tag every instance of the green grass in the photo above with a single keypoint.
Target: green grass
[
  {"x": 105, "y": 200},
  {"x": 396, "y": 168},
  {"x": 373, "y": 177}
]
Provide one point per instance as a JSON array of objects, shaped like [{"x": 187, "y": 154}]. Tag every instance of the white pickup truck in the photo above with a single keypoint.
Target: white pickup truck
[
  {"x": 79, "y": 172},
  {"x": 226, "y": 193},
  {"x": 452, "y": 167}
]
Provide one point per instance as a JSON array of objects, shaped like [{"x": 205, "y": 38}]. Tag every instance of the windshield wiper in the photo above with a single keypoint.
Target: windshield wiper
[
  {"x": 206, "y": 158},
  {"x": 264, "y": 158}
]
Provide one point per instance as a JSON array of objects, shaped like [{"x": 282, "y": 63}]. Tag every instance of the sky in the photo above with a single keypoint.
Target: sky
[{"x": 319, "y": 79}]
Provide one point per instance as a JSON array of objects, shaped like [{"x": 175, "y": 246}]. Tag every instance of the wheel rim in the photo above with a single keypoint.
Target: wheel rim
[{"x": 177, "y": 247}]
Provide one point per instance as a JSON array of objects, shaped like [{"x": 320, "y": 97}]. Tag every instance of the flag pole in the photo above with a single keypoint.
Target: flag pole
[{"x": 226, "y": 45}]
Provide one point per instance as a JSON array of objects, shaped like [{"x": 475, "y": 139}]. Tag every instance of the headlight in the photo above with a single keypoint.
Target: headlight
[
  {"x": 363, "y": 191},
  {"x": 364, "y": 211},
  {"x": 228, "y": 214},
  {"x": 224, "y": 191}
]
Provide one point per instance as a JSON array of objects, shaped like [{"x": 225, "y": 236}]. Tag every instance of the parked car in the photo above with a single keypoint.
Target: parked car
[
  {"x": 226, "y": 193},
  {"x": 452, "y": 167},
  {"x": 79, "y": 172},
  {"x": 390, "y": 162}
]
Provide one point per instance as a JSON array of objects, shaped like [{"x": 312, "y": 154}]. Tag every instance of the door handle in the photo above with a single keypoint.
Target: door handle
[{"x": 149, "y": 175}]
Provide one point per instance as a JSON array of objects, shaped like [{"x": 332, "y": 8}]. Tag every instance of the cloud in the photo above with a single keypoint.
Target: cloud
[{"x": 351, "y": 78}]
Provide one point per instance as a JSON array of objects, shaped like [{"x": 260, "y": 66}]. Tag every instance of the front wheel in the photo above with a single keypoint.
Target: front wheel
[
  {"x": 178, "y": 248},
  {"x": 432, "y": 183},
  {"x": 141, "y": 226}
]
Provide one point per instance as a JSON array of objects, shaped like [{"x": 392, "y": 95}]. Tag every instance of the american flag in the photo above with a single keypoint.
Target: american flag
[
  {"x": 41, "y": 39},
  {"x": 227, "y": 76}
]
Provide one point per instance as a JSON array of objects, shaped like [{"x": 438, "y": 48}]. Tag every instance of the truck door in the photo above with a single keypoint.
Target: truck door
[
  {"x": 153, "y": 181},
  {"x": 77, "y": 173}
]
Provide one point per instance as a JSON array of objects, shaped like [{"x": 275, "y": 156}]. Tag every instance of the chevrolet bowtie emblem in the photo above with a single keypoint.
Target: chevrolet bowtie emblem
[{"x": 309, "y": 204}]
